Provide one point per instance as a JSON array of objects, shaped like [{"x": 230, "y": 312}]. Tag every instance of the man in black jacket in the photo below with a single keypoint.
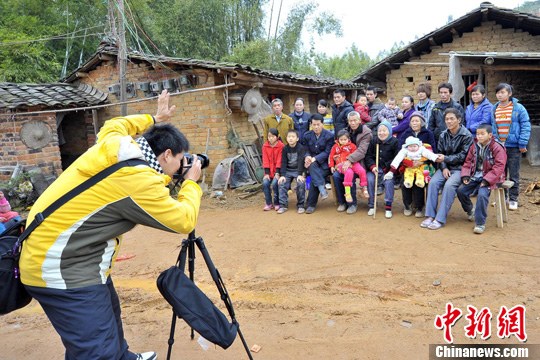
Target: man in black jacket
[
  {"x": 436, "y": 121},
  {"x": 340, "y": 110},
  {"x": 453, "y": 145},
  {"x": 375, "y": 105}
]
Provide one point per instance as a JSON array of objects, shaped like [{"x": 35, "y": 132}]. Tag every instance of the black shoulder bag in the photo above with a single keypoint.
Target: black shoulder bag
[{"x": 13, "y": 295}]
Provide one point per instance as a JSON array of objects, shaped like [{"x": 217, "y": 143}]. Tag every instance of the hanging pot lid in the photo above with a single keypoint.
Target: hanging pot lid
[{"x": 35, "y": 134}]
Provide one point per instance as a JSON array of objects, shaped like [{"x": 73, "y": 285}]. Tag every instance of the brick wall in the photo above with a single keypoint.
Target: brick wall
[
  {"x": 487, "y": 37},
  {"x": 196, "y": 112},
  {"x": 13, "y": 151}
]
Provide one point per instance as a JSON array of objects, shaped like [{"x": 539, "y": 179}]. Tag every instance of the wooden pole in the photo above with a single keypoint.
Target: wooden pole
[
  {"x": 376, "y": 178},
  {"x": 122, "y": 55}
]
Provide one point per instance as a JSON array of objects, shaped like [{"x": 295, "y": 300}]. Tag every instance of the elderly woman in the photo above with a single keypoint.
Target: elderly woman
[
  {"x": 413, "y": 198},
  {"x": 361, "y": 136},
  {"x": 453, "y": 145}
]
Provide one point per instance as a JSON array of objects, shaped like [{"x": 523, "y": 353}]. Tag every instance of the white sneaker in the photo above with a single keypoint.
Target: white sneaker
[
  {"x": 407, "y": 212},
  {"x": 371, "y": 212},
  {"x": 147, "y": 356},
  {"x": 388, "y": 214},
  {"x": 513, "y": 205}
]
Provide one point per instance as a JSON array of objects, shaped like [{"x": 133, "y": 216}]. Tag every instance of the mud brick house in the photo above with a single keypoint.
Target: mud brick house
[
  {"x": 38, "y": 127},
  {"x": 491, "y": 44},
  {"x": 215, "y": 110}
]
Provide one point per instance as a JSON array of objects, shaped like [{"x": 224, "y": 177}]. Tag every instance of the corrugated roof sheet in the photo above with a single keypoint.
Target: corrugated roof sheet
[{"x": 57, "y": 95}]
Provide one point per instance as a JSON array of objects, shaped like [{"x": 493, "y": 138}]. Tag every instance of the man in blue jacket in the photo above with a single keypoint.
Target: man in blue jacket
[{"x": 318, "y": 143}]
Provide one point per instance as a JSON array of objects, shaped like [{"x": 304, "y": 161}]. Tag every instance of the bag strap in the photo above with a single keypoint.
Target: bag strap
[{"x": 40, "y": 217}]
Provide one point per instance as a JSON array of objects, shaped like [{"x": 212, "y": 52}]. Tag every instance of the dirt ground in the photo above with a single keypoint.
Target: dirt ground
[{"x": 321, "y": 286}]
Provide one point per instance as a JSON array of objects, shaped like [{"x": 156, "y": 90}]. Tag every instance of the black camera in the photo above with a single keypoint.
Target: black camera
[
  {"x": 185, "y": 166},
  {"x": 205, "y": 160}
]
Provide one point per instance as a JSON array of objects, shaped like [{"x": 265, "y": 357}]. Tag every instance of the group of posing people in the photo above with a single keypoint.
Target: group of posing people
[{"x": 452, "y": 151}]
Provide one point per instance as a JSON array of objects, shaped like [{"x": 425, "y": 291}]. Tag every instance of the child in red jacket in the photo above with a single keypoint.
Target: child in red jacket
[
  {"x": 483, "y": 170},
  {"x": 341, "y": 149},
  {"x": 362, "y": 108},
  {"x": 271, "y": 156}
]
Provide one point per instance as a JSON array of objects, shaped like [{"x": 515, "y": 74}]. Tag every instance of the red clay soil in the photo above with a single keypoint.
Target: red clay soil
[{"x": 321, "y": 286}]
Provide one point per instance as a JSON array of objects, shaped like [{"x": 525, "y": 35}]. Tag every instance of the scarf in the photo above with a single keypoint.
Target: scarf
[{"x": 149, "y": 155}]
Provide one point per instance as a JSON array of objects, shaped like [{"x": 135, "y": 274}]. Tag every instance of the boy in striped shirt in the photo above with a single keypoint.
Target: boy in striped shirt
[{"x": 512, "y": 127}]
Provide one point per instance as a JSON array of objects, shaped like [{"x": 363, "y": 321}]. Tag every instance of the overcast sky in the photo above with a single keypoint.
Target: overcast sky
[{"x": 375, "y": 25}]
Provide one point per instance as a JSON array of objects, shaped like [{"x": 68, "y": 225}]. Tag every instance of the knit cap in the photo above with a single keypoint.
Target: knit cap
[
  {"x": 4, "y": 205},
  {"x": 421, "y": 116},
  {"x": 411, "y": 140},
  {"x": 388, "y": 125}
]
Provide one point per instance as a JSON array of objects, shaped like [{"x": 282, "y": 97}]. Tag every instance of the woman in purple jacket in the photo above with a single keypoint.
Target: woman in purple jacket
[
  {"x": 407, "y": 106},
  {"x": 479, "y": 111}
]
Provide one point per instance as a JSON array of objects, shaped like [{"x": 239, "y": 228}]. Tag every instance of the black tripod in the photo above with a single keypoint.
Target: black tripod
[{"x": 188, "y": 246}]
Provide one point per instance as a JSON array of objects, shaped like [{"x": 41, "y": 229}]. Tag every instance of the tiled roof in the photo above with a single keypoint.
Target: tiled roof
[
  {"x": 507, "y": 18},
  {"x": 14, "y": 96},
  {"x": 285, "y": 76}
]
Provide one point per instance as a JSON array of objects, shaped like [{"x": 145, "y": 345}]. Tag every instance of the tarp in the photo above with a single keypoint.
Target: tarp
[{"x": 233, "y": 172}]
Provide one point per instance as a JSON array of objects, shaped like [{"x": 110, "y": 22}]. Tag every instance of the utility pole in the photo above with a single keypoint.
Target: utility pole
[{"x": 122, "y": 56}]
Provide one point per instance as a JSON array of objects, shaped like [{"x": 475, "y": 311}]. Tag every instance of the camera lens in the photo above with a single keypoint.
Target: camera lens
[{"x": 205, "y": 160}]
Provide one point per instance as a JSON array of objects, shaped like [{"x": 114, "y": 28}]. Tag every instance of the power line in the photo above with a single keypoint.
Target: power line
[{"x": 55, "y": 37}]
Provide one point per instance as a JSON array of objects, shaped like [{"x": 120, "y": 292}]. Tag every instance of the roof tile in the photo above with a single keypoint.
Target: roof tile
[{"x": 59, "y": 95}]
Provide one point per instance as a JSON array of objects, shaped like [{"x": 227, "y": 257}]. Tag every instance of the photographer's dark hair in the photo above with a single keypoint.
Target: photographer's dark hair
[{"x": 165, "y": 136}]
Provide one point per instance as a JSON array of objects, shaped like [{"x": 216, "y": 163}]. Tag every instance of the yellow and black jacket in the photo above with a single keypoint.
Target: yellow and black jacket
[{"x": 76, "y": 245}]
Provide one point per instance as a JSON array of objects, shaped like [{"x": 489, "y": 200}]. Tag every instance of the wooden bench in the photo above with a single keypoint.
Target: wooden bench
[{"x": 500, "y": 202}]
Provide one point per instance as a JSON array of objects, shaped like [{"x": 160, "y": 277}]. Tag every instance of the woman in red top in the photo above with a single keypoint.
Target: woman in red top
[{"x": 271, "y": 156}]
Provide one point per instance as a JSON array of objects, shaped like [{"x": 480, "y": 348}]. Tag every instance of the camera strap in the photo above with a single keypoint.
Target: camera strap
[{"x": 41, "y": 216}]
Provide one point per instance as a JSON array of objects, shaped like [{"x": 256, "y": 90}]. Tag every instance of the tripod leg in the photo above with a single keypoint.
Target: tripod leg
[
  {"x": 244, "y": 343},
  {"x": 191, "y": 265},
  {"x": 222, "y": 289},
  {"x": 171, "y": 336}
]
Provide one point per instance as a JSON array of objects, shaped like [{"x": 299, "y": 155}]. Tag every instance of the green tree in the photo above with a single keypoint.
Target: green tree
[
  {"x": 345, "y": 66},
  {"x": 41, "y": 37},
  {"x": 285, "y": 51},
  {"x": 531, "y": 7},
  {"x": 207, "y": 29}
]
